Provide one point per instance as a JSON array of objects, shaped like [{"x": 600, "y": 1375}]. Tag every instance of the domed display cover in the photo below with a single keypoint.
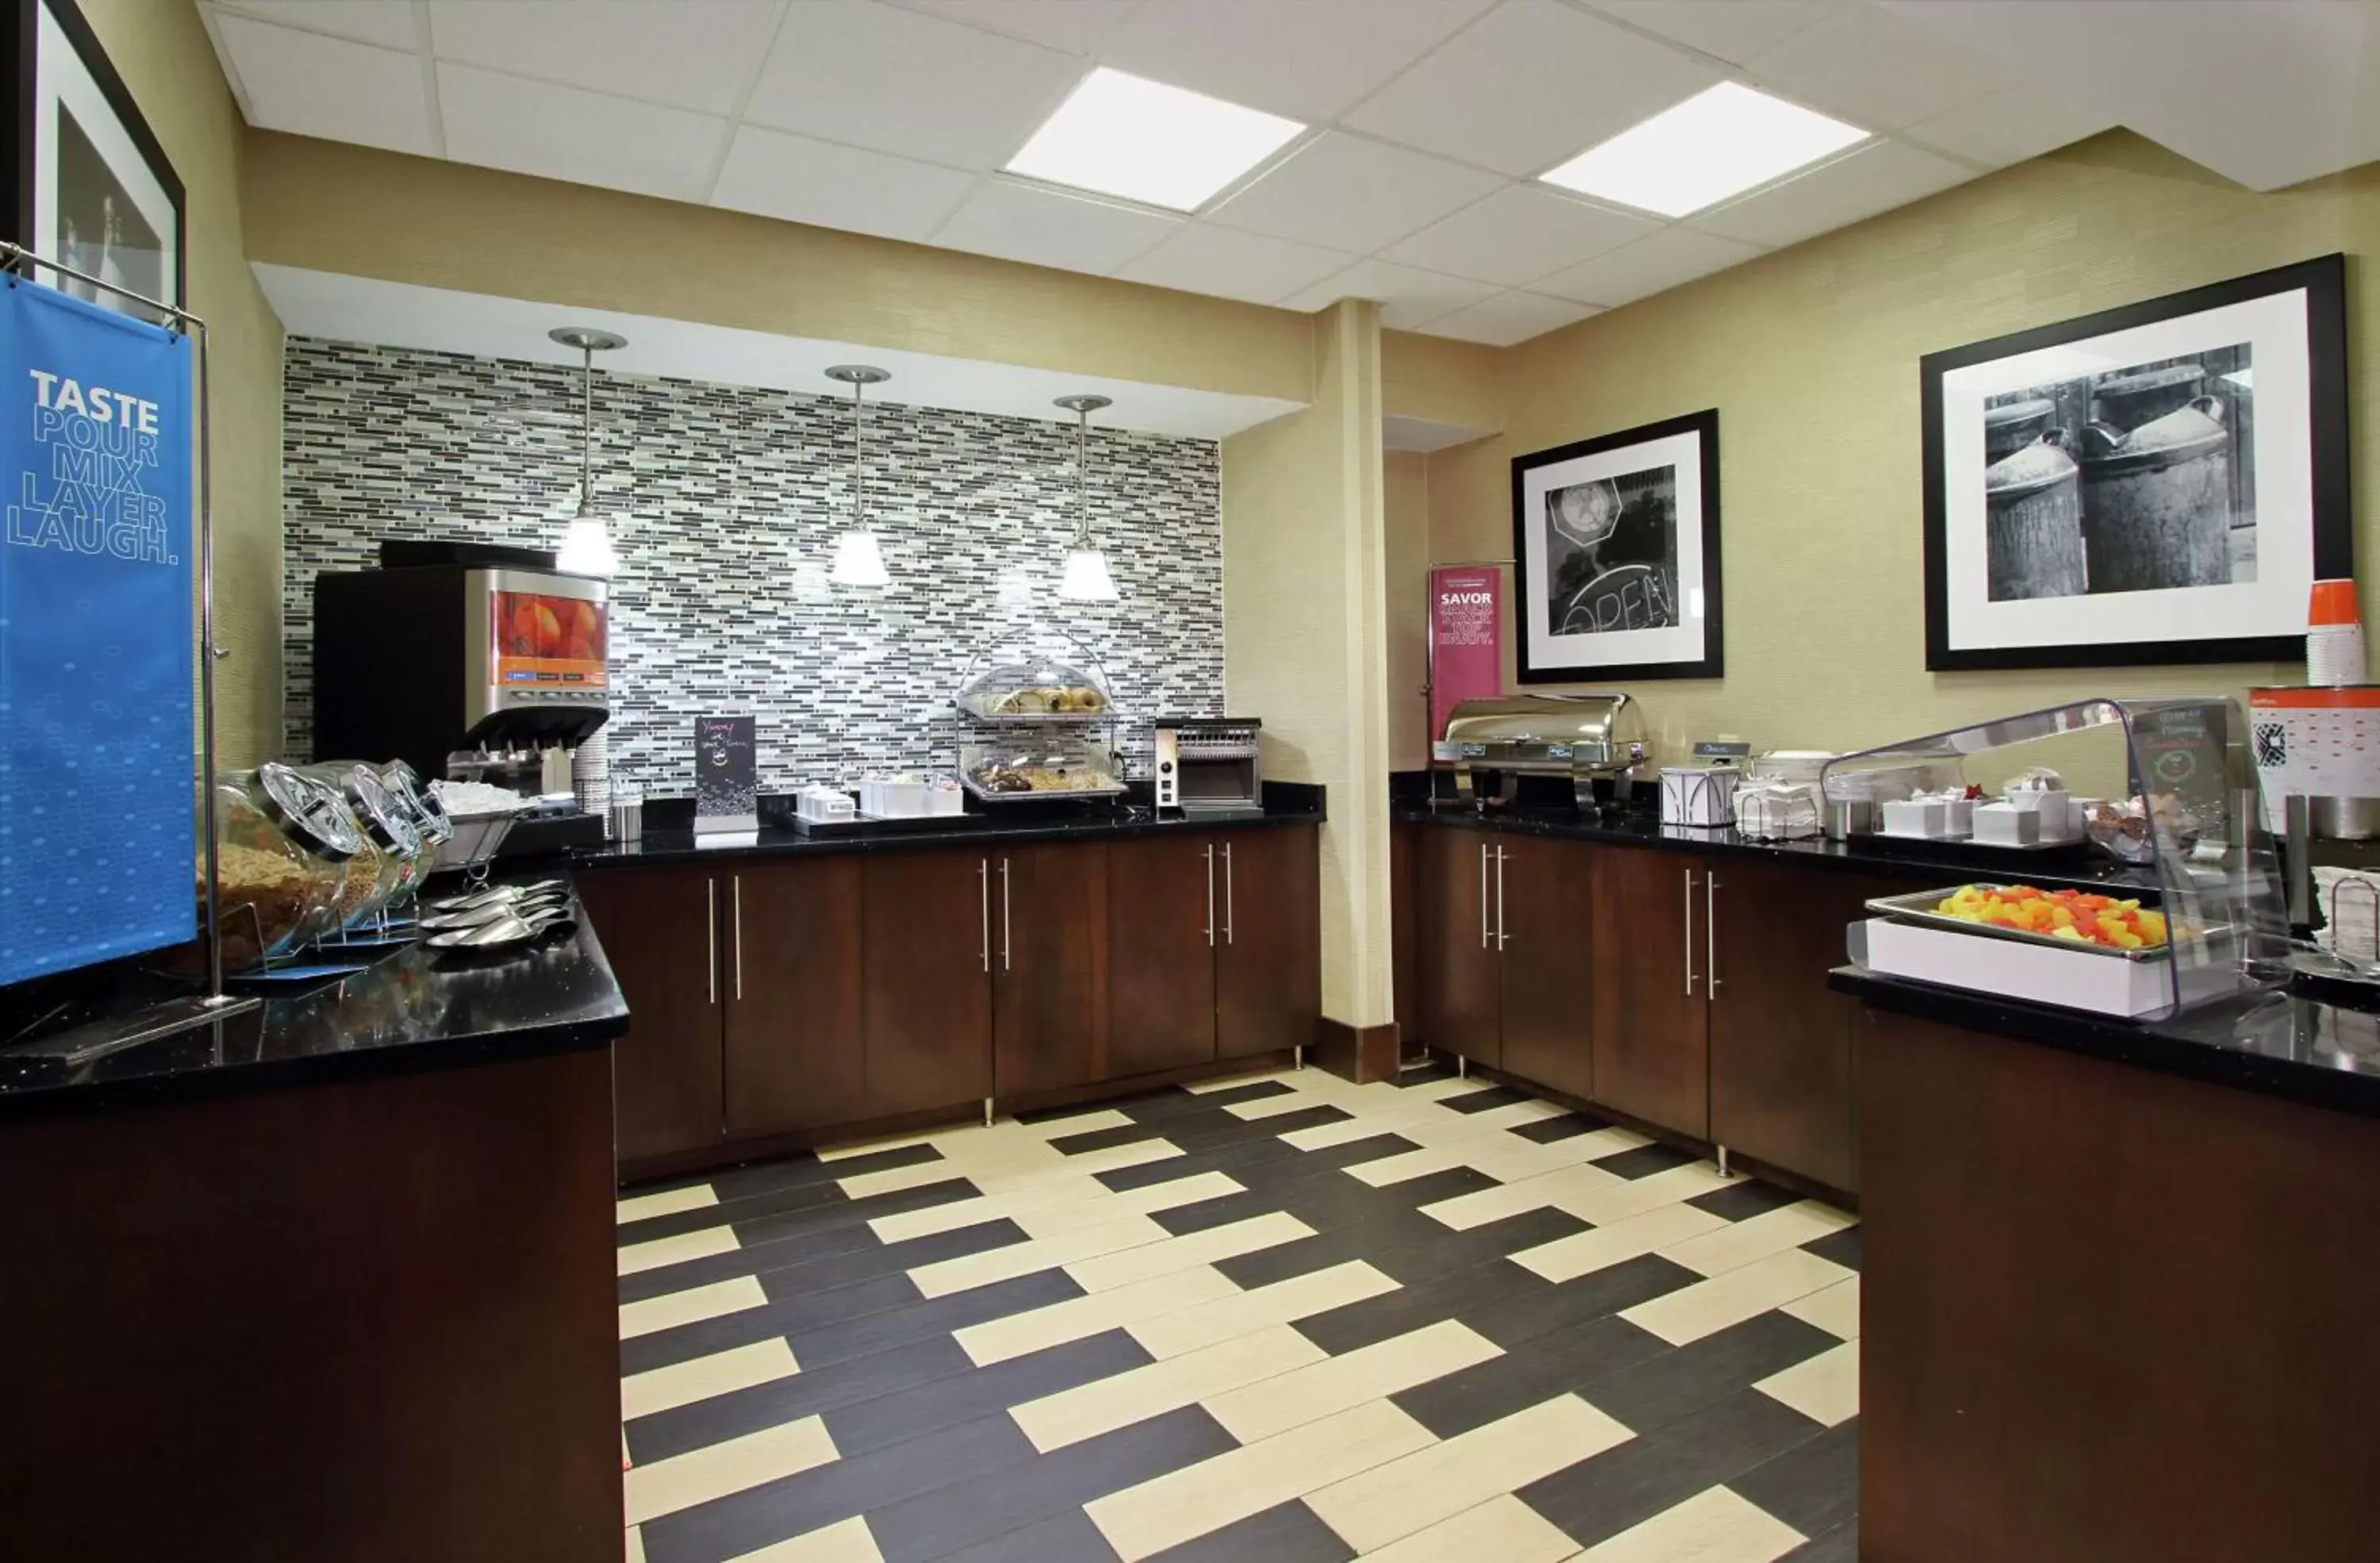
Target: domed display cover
[{"x": 1038, "y": 676}]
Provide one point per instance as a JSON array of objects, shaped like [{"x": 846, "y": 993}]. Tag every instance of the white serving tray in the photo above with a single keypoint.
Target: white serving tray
[{"x": 2077, "y": 978}]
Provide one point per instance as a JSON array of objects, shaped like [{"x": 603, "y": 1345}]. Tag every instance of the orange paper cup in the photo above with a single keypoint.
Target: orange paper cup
[{"x": 2333, "y": 603}]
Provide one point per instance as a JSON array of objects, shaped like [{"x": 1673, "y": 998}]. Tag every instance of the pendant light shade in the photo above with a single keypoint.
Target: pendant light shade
[
  {"x": 586, "y": 542},
  {"x": 858, "y": 559},
  {"x": 1087, "y": 578}
]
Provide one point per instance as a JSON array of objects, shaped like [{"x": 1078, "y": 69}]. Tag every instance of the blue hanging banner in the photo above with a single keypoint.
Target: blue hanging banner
[{"x": 97, "y": 840}]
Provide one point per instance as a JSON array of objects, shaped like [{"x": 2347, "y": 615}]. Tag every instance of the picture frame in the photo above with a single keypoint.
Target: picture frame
[
  {"x": 1616, "y": 556},
  {"x": 88, "y": 185},
  {"x": 2159, "y": 482}
]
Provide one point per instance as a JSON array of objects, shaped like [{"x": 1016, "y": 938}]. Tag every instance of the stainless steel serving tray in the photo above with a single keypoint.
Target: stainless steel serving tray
[{"x": 1919, "y": 908}]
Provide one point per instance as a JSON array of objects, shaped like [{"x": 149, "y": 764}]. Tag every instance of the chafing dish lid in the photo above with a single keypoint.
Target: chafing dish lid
[{"x": 1546, "y": 719}]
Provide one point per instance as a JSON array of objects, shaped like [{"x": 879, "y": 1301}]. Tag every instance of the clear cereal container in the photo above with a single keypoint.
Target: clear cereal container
[{"x": 283, "y": 847}]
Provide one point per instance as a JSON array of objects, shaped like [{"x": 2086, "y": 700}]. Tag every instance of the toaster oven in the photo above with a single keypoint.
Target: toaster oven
[{"x": 1208, "y": 765}]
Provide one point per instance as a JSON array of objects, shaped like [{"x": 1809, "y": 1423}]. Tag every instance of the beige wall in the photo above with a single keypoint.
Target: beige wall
[
  {"x": 160, "y": 49},
  {"x": 1442, "y": 380},
  {"x": 1305, "y": 632},
  {"x": 366, "y": 213},
  {"x": 1405, "y": 516},
  {"x": 1811, "y": 356}
]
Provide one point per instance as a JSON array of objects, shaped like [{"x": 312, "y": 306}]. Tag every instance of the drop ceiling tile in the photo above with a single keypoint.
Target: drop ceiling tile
[
  {"x": 1733, "y": 30},
  {"x": 1509, "y": 318},
  {"x": 801, "y": 180},
  {"x": 2013, "y": 124},
  {"x": 566, "y": 133},
  {"x": 1530, "y": 84},
  {"x": 1311, "y": 60},
  {"x": 1344, "y": 192},
  {"x": 1632, "y": 271},
  {"x": 1018, "y": 222},
  {"x": 914, "y": 85},
  {"x": 1878, "y": 69},
  {"x": 1878, "y": 178},
  {"x": 1517, "y": 236},
  {"x": 1408, "y": 299},
  {"x": 1079, "y": 27},
  {"x": 689, "y": 57},
  {"x": 388, "y": 23},
  {"x": 317, "y": 86},
  {"x": 1203, "y": 258}
]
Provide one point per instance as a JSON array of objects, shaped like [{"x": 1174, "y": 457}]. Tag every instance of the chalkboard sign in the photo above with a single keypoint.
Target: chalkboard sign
[{"x": 725, "y": 776}]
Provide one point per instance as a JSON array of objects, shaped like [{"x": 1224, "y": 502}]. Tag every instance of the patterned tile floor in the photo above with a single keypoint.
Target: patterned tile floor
[{"x": 1279, "y": 1317}]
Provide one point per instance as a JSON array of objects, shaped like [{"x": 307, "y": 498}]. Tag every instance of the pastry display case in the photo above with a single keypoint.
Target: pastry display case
[
  {"x": 1019, "y": 770},
  {"x": 1039, "y": 677},
  {"x": 1035, "y": 721}
]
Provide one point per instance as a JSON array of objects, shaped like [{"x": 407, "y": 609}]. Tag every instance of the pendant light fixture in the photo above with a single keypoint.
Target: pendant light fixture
[
  {"x": 586, "y": 542},
  {"x": 1087, "y": 578},
  {"x": 858, "y": 561}
]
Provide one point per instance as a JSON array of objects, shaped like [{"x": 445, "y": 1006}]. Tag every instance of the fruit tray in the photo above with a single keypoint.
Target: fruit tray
[{"x": 1920, "y": 908}]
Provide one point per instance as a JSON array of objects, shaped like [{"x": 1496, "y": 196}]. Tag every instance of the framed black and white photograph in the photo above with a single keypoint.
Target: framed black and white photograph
[
  {"x": 1615, "y": 544},
  {"x": 2162, "y": 482},
  {"x": 89, "y": 187}
]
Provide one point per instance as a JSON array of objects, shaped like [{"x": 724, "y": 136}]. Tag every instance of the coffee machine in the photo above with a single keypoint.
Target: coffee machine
[{"x": 484, "y": 662}]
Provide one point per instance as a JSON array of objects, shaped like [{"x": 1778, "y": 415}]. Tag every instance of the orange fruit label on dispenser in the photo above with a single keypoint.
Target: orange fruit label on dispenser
[{"x": 550, "y": 640}]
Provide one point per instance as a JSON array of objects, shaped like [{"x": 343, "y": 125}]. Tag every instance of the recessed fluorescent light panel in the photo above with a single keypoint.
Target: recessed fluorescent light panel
[
  {"x": 1715, "y": 143},
  {"x": 1124, "y": 136}
]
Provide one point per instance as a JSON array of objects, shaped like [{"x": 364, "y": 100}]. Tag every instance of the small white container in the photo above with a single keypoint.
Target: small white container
[
  {"x": 1958, "y": 817},
  {"x": 2006, "y": 824},
  {"x": 1926, "y": 818},
  {"x": 823, "y": 805},
  {"x": 883, "y": 797},
  {"x": 1699, "y": 795}
]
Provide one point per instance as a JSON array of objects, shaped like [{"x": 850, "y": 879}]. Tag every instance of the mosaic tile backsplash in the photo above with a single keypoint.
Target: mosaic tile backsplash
[{"x": 724, "y": 502}]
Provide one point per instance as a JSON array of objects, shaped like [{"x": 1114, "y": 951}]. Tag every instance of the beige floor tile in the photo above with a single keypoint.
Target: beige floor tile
[
  {"x": 1036, "y": 1253},
  {"x": 1771, "y": 1232},
  {"x": 1233, "y": 1082},
  {"x": 702, "y": 1244},
  {"x": 846, "y": 1543},
  {"x": 682, "y": 1384},
  {"x": 869, "y": 1147},
  {"x": 1336, "y": 1384},
  {"x": 1834, "y": 1309},
  {"x": 1527, "y": 1159},
  {"x": 1477, "y": 1208},
  {"x": 1113, "y": 1158},
  {"x": 696, "y": 1302},
  {"x": 1604, "y": 1206},
  {"x": 893, "y": 1179},
  {"x": 1108, "y": 1271},
  {"x": 997, "y": 1340},
  {"x": 1439, "y": 1090},
  {"x": 1512, "y": 1115},
  {"x": 1584, "y": 1252},
  {"x": 1187, "y": 1330},
  {"x": 987, "y": 1207},
  {"x": 1383, "y": 1171},
  {"x": 1104, "y": 1405},
  {"x": 636, "y": 1545},
  {"x": 1272, "y": 1107},
  {"x": 1392, "y": 1501},
  {"x": 1825, "y": 1388},
  {"x": 1081, "y": 1123},
  {"x": 698, "y": 1475},
  {"x": 1714, "y": 1526},
  {"x": 1347, "y": 1131},
  {"x": 1186, "y": 1504},
  {"x": 1502, "y": 1530},
  {"x": 1706, "y": 1307},
  {"x": 1048, "y": 1219},
  {"x": 643, "y": 1207}
]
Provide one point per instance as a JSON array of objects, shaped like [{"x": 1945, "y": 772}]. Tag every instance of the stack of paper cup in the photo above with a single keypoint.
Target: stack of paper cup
[{"x": 2333, "y": 635}]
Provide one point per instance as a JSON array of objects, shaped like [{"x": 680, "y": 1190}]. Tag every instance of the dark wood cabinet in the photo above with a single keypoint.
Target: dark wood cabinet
[
  {"x": 1049, "y": 933},
  {"x": 796, "y": 1045},
  {"x": 1269, "y": 947},
  {"x": 1782, "y": 1083},
  {"x": 1461, "y": 1005},
  {"x": 925, "y": 957},
  {"x": 660, "y": 926},
  {"x": 1652, "y": 1055},
  {"x": 1163, "y": 911},
  {"x": 1542, "y": 914}
]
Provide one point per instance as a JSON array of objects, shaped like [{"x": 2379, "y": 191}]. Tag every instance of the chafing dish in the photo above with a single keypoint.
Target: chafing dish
[{"x": 1584, "y": 737}]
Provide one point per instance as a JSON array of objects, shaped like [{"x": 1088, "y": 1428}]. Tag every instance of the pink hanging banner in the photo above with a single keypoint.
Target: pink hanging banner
[{"x": 1467, "y": 638}]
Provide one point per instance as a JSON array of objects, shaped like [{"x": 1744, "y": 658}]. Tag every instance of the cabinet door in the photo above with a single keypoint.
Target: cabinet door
[
  {"x": 1269, "y": 949},
  {"x": 1164, "y": 903},
  {"x": 660, "y": 928},
  {"x": 1461, "y": 975},
  {"x": 1546, "y": 914},
  {"x": 1651, "y": 1055},
  {"x": 1049, "y": 997},
  {"x": 1780, "y": 1042},
  {"x": 796, "y": 1048},
  {"x": 926, "y": 955}
]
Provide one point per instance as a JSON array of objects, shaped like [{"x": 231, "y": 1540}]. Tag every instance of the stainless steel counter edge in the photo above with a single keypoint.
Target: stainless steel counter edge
[{"x": 965, "y": 830}]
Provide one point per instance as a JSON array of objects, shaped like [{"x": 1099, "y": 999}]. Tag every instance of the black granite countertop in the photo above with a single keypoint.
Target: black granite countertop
[
  {"x": 416, "y": 1009},
  {"x": 1028, "y": 822},
  {"x": 2276, "y": 1043}
]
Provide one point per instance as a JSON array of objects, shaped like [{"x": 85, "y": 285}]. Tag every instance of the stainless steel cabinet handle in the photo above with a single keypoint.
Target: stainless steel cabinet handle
[
  {"x": 983, "y": 882},
  {"x": 1690, "y": 933},
  {"x": 1210, "y": 895},
  {"x": 1502, "y": 938},
  {"x": 710, "y": 931},
  {"x": 1483, "y": 934},
  {"x": 1231, "y": 918},
  {"x": 735, "y": 887},
  {"x": 1710, "y": 936},
  {"x": 1003, "y": 915}
]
